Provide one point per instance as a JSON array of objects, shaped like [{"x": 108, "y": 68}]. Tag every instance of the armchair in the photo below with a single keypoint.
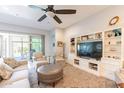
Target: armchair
[
  {"x": 38, "y": 56},
  {"x": 39, "y": 59},
  {"x": 60, "y": 59}
]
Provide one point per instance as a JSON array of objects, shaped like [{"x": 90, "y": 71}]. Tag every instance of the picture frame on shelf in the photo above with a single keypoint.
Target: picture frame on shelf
[
  {"x": 72, "y": 45},
  {"x": 91, "y": 37},
  {"x": 98, "y": 35},
  {"x": 109, "y": 34},
  {"x": 83, "y": 38}
]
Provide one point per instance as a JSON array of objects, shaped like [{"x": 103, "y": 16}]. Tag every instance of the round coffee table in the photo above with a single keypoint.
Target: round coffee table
[{"x": 50, "y": 73}]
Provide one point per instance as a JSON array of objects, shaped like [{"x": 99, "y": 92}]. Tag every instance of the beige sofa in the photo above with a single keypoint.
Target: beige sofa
[{"x": 18, "y": 79}]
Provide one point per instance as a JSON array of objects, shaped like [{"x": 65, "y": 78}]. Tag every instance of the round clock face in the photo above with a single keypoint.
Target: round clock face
[{"x": 114, "y": 20}]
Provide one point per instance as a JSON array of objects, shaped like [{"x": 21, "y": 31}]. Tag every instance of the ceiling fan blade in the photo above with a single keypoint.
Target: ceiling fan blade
[
  {"x": 57, "y": 19},
  {"x": 36, "y": 7},
  {"x": 65, "y": 11},
  {"x": 42, "y": 18}
]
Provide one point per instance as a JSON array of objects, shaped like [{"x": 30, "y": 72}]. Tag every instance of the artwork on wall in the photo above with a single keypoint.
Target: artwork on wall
[
  {"x": 114, "y": 20},
  {"x": 72, "y": 45},
  {"x": 60, "y": 44}
]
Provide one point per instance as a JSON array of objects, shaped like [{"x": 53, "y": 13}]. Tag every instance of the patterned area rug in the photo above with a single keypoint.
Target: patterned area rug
[{"x": 73, "y": 78}]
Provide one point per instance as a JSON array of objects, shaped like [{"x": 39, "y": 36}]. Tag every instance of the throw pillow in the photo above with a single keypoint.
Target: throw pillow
[
  {"x": 38, "y": 55},
  {"x": 5, "y": 71},
  {"x": 11, "y": 62},
  {"x": 23, "y": 62}
]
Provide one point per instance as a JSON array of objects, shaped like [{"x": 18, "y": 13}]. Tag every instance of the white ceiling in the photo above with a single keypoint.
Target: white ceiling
[{"x": 26, "y": 16}]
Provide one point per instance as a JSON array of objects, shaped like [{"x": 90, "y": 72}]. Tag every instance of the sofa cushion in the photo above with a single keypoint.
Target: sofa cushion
[
  {"x": 17, "y": 75},
  {"x": 22, "y": 62},
  {"x": 22, "y": 67},
  {"x": 5, "y": 71},
  {"x": 11, "y": 62},
  {"x": 24, "y": 83}
]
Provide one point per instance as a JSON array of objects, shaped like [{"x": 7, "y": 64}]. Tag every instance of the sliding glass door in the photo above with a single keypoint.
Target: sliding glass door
[
  {"x": 36, "y": 44},
  {"x": 20, "y": 45}
]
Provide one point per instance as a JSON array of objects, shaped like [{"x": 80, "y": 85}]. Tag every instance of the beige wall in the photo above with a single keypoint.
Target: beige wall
[{"x": 59, "y": 36}]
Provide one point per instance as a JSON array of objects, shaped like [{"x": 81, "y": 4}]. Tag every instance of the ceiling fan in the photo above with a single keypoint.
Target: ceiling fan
[{"x": 50, "y": 11}]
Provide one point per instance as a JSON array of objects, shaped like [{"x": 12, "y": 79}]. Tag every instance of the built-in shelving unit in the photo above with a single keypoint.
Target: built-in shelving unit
[
  {"x": 76, "y": 62},
  {"x": 93, "y": 66},
  {"x": 113, "y": 53},
  {"x": 112, "y": 44},
  {"x": 90, "y": 37}
]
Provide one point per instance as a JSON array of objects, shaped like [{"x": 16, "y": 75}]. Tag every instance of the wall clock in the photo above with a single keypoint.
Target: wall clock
[{"x": 114, "y": 20}]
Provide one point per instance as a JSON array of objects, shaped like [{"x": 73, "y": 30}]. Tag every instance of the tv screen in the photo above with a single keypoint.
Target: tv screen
[{"x": 90, "y": 49}]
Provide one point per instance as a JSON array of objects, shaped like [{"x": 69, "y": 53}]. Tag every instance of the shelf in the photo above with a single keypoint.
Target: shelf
[
  {"x": 112, "y": 44},
  {"x": 113, "y": 51},
  {"x": 118, "y": 37},
  {"x": 90, "y": 40}
]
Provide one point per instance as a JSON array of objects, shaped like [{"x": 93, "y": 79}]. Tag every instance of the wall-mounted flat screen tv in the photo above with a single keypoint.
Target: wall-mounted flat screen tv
[{"x": 90, "y": 49}]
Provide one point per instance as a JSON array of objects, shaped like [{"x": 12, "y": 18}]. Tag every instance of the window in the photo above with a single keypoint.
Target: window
[
  {"x": 20, "y": 46},
  {"x": 36, "y": 44}
]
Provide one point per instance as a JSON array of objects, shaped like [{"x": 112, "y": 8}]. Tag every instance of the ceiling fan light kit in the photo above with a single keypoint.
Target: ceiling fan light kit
[
  {"x": 50, "y": 11},
  {"x": 51, "y": 14}
]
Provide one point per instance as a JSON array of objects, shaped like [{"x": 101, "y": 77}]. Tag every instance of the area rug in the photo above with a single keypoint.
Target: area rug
[{"x": 73, "y": 78}]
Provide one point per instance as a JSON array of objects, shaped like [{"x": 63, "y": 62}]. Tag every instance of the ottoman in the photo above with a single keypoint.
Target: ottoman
[{"x": 50, "y": 73}]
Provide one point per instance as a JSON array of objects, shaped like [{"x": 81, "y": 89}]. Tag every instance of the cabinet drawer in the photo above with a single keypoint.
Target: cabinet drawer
[{"x": 83, "y": 64}]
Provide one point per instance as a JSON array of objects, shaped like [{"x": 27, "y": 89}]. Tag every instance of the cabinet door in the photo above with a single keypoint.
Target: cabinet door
[
  {"x": 110, "y": 74},
  {"x": 83, "y": 64},
  {"x": 109, "y": 71},
  {"x": 111, "y": 67}
]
